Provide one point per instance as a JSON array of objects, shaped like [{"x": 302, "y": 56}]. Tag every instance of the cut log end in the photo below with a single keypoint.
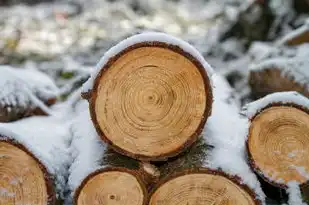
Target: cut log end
[
  {"x": 278, "y": 144},
  {"x": 267, "y": 81},
  {"x": 207, "y": 187},
  {"x": 151, "y": 101},
  {"x": 22, "y": 178},
  {"x": 111, "y": 187}
]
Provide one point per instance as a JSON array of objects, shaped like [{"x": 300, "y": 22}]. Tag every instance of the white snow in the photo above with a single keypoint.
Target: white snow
[
  {"x": 86, "y": 148},
  {"x": 251, "y": 109},
  {"x": 25, "y": 88},
  {"x": 48, "y": 139},
  {"x": 295, "y": 68},
  {"x": 226, "y": 131},
  {"x": 294, "y": 193},
  {"x": 295, "y": 33},
  {"x": 145, "y": 37}
]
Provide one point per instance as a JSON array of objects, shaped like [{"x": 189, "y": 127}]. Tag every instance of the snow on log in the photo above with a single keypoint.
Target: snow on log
[
  {"x": 33, "y": 162},
  {"x": 24, "y": 92},
  {"x": 278, "y": 139},
  {"x": 296, "y": 37},
  {"x": 281, "y": 74},
  {"x": 150, "y": 96},
  {"x": 214, "y": 169},
  {"x": 100, "y": 174}
]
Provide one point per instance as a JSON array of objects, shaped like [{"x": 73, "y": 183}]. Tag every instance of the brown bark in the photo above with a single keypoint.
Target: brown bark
[
  {"x": 274, "y": 134},
  {"x": 23, "y": 173},
  {"x": 154, "y": 102},
  {"x": 267, "y": 81}
]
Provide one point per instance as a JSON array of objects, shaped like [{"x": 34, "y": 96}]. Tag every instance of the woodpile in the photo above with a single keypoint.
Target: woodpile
[
  {"x": 278, "y": 139},
  {"x": 149, "y": 100}
]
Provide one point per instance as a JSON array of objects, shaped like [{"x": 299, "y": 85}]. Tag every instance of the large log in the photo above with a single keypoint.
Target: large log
[
  {"x": 150, "y": 96},
  {"x": 188, "y": 179},
  {"x": 278, "y": 139},
  {"x": 24, "y": 93},
  {"x": 281, "y": 74},
  {"x": 100, "y": 175},
  {"x": 32, "y": 165}
]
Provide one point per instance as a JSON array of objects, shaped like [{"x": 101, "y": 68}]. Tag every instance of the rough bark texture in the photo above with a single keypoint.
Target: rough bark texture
[
  {"x": 92, "y": 96},
  {"x": 49, "y": 180},
  {"x": 267, "y": 81},
  {"x": 274, "y": 189}
]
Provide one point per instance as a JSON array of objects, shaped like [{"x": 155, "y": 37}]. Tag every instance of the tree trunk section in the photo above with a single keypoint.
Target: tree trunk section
[
  {"x": 277, "y": 142},
  {"x": 271, "y": 80},
  {"x": 113, "y": 178},
  {"x": 24, "y": 179},
  {"x": 163, "y": 97}
]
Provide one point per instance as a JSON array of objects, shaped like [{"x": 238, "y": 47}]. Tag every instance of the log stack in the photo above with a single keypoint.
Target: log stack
[
  {"x": 278, "y": 139},
  {"x": 149, "y": 99}
]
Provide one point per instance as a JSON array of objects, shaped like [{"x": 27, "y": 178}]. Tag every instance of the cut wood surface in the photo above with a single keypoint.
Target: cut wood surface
[
  {"x": 202, "y": 186},
  {"x": 100, "y": 175},
  {"x": 278, "y": 138},
  {"x": 23, "y": 178},
  {"x": 33, "y": 163},
  {"x": 24, "y": 92},
  {"x": 151, "y": 99},
  {"x": 193, "y": 177}
]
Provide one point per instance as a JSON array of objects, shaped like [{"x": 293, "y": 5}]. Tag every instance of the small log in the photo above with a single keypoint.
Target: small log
[
  {"x": 106, "y": 177},
  {"x": 280, "y": 74},
  {"x": 188, "y": 179},
  {"x": 24, "y": 179},
  {"x": 150, "y": 97},
  {"x": 278, "y": 139},
  {"x": 24, "y": 93},
  {"x": 297, "y": 37}
]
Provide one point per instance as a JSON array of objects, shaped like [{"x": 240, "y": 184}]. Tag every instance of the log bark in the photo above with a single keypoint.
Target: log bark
[
  {"x": 271, "y": 80},
  {"x": 278, "y": 139},
  {"x": 187, "y": 178},
  {"x": 163, "y": 97},
  {"x": 24, "y": 178},
  {"x": 121, "y": 180}
]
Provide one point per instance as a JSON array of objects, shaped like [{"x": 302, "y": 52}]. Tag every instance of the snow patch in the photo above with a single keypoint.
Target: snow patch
[
  {"x": 294, "y": 193},
  {"x": 251, "y": 109},
  {"x": 140, "y": 38}
]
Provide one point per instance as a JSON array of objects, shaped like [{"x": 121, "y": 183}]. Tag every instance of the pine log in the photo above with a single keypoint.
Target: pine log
[
  {"x": 187, "y": 178},
  {"x": 150, "y": 97},
  {"x": 280, "y": 74},
  {"x": 278, "y": 139},
  {"x": 33, "y": 163},
  {"x": 100, "y": 175},
  {"x": 24, "y": 93}
]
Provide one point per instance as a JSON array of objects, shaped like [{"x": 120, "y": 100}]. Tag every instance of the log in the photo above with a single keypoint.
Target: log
[
  {"x": 150, "y": 96},
  {"x": 24, "y": 93},
  {"x": 121, "y": 180},
  {"x": 278, "y": 138},
  {"x": 297, "y": 37},
  {"x": 280, "y": 74},
  {"x": 32, "y": 166},
  {"x": 204, "y": 174}
]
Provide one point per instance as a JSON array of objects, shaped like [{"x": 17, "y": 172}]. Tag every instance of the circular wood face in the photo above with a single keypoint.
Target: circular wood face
[
  {"x": 111, "y": 188},
  {"x": 21, "y": 177},
  {"x": 279, "y": 144},
  {"x": 150, "y": 101},
  {"x": 201, "y": 188}
]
